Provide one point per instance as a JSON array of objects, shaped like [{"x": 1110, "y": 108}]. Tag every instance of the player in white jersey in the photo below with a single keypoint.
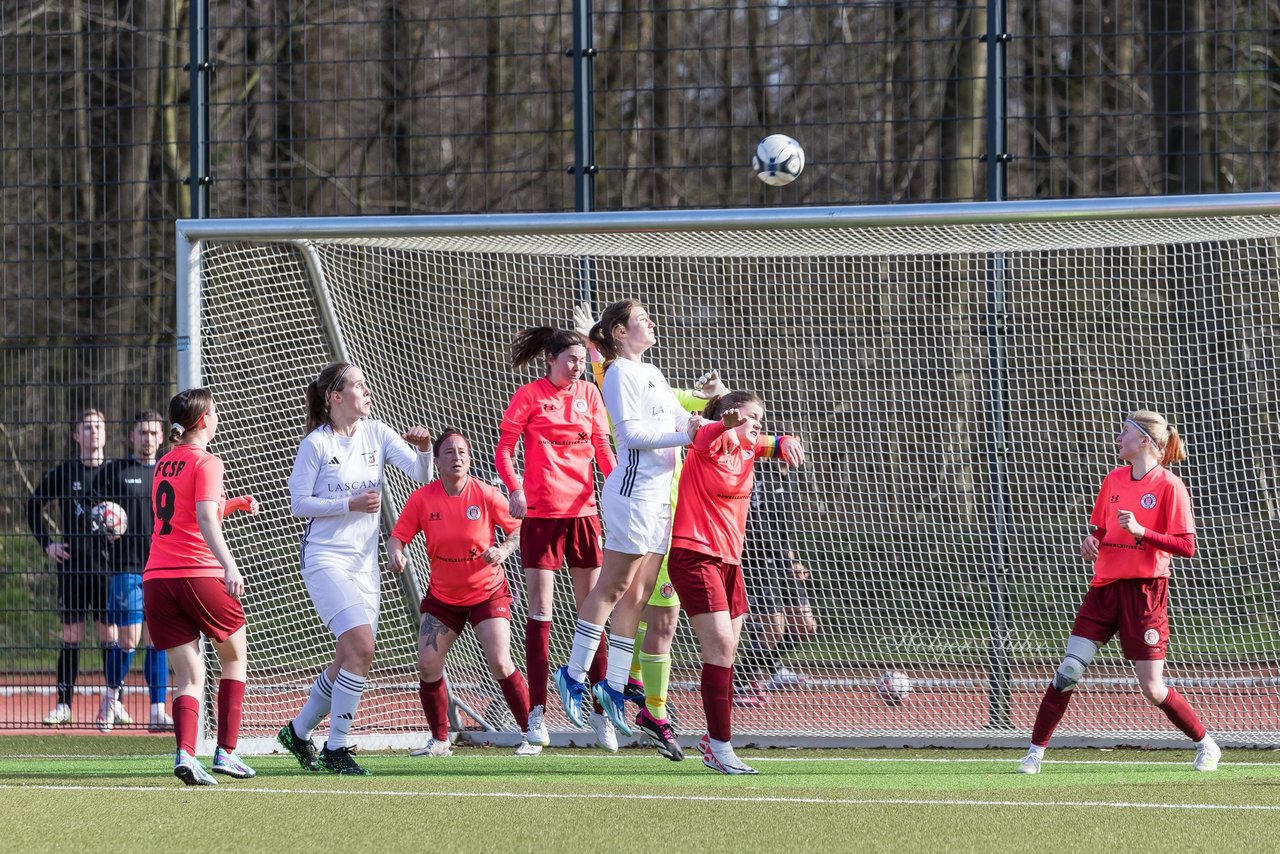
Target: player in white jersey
[
  {"x": 649, "y": 425},
  {"x": 337, "y": 485}
]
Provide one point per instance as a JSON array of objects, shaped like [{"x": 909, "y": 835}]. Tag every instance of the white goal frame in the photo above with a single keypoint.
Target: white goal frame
[{"x": 994, "y": 231}]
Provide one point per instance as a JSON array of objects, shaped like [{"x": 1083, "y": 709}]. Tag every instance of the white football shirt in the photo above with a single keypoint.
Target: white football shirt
[
  {"x": 329, "y": 470},
  {"x": 638, "y": 397}
]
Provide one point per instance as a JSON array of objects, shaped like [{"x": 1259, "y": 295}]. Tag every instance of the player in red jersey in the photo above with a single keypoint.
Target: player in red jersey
[
  {"x": 561, "y": 419},
  {"x": 706, "y": 552},
  {"x": 457, "y": 514},
  {"x": 1141, "y": 519},
  {"x": 192, "y": 586}
]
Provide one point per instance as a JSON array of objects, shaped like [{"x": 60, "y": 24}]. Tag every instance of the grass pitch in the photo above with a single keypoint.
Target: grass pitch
[{"x": 64, "y": 793}]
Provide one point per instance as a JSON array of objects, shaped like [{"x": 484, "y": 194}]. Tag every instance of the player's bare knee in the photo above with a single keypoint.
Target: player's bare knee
[
  {"x": 359, "y": 657},
  {"x": 501, "y": 667},
  {"x": 662, "y": 622},
  {"x": 720, "y": 649},
  {"x": 1153, "y": 690}
]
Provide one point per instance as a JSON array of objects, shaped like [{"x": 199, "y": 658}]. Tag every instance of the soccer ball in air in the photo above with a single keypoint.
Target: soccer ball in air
[
  {"x": 110, "y": 518},
  {"x": 778, "y": 160},
  {"x": 893, "y": 687}
]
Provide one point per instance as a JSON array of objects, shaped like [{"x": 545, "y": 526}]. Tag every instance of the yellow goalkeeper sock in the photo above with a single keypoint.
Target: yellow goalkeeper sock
[
  {"x": 636, "y": 674},
  {"x": 657, "y": 677}
]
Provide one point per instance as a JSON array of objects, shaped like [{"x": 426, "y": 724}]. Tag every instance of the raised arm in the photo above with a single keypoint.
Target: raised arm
[{"x": 410, "y": 452}]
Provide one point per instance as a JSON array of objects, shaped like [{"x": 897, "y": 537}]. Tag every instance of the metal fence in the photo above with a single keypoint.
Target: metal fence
[{"x": 316, "y": 107}]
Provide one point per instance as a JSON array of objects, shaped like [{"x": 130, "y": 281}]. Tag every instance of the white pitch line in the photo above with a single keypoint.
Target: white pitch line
[
  {"x": 607, "y": 796},
  {"x": 465, "y": 756},
  {"x": 1174, "y": 763}
]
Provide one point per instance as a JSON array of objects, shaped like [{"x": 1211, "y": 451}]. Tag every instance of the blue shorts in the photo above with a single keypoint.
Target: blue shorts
[{"x": 124, "y": 602}]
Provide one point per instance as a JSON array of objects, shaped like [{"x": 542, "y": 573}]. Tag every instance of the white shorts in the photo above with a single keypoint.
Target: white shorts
[
  {"x": 633, "y": 526},
  {"x": 343, "y": 599}
]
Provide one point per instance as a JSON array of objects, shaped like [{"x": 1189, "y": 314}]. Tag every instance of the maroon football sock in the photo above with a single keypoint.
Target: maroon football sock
[
  {"x": 516, "y": 693},
  {"x": 1052, "y": 707},
  {"x": 435, "y": 705},
  {"x": 717, "y": 700},
  {"x": 1184, "y": 718},
  {"x": 537, "y": 644},
  {"x": 186, "y": 721},
  {"x": 230, "y": 708}
]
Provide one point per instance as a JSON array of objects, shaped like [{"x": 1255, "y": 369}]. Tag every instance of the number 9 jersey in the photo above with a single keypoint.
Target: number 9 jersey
[{"x": 183, "y": 477}]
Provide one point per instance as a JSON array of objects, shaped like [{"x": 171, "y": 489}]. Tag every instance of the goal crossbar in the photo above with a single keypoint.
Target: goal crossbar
[{"x": 957, "y": 371}]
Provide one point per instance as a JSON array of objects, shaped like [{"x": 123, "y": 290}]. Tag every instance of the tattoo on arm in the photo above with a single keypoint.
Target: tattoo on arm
[{"x": 430, "y": 631}]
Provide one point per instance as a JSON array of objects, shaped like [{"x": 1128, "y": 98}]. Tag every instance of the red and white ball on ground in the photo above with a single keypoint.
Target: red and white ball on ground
[
  {"x": 110, "y": 518},
  {"x": 893, "y": 686},
  {"x": 778, "y": 160}
]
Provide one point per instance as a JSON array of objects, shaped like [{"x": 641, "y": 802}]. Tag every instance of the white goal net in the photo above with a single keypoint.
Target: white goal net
[{"x": 957, "y": 373}]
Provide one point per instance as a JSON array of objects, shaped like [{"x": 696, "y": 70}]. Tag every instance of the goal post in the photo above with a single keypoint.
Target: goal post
[{"x": 958, "y": 373}]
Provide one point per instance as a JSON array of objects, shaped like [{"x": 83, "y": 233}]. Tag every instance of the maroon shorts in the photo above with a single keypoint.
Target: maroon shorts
[
  {"x": 550, "y": 543},
  {"x": 179, "y": 610},
  {"x": 706, "y": 583},
  {"x": 1137, "y": 609},
  {"x": 456, "y": 617}
]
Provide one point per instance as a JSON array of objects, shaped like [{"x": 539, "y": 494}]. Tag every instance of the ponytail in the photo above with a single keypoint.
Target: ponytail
[
  {"x": 1174, "y": 450},
  {"x": 540, "y": 340},
  {"x": 186, "y": 409}
]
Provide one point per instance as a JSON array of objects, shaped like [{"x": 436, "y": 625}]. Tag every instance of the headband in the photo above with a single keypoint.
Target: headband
[
  {"x": 337, "y": 381},
  {"x": 1141, "y": 430}
]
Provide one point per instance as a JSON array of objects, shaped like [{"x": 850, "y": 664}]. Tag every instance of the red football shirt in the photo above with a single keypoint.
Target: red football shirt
[
  {"x": 183, "y": 477},
  {"x": 458, "y": 529},
  {"x": 715, "y": 494},
  {"x": 563, "y": 429},
  {"x": 1159, "y": 502}
]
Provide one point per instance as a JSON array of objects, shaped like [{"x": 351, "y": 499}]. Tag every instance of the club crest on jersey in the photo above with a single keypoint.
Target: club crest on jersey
[
  {"x": 473, "y": 512},
  {"x": 579, "y": 405},
  {"x": 1148, "y": 501},
  {"x": 668, "y": 591},
  {"x": 371, "y": 458},
  {"x": 1151, "y": 637}
]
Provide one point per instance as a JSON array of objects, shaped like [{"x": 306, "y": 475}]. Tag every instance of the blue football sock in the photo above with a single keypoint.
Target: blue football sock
[
  {"x": 156, "y": 666},
  {"x": 126, "y": 662},
  {"x": 112, "y": 657}
]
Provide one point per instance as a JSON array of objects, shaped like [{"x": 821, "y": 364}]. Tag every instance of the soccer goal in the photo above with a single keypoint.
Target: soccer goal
[{"x": 958, "y": 373}]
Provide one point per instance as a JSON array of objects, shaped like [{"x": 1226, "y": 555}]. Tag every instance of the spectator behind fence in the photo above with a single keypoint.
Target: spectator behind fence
[
  {"x": 80, "y": 559},
  {"x": 128, "y": 482}
]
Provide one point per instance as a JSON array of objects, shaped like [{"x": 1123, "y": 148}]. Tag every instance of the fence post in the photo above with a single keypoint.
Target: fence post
[
  {"x": 999, "y": 675},
  {"x": 200, "y": 68},
  {"x": 584, "y": 168}
]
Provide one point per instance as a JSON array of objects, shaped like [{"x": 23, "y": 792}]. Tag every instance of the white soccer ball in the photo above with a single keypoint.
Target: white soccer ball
[
  {"x": 110, "y": 518},
  {"x": 893, "y": 686},
  {"x": 778, "y": 160}
]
